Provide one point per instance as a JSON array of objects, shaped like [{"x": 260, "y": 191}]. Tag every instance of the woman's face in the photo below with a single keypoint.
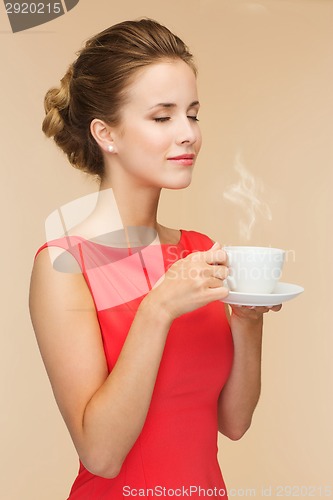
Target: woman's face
[{"x": 158, "y": 139}]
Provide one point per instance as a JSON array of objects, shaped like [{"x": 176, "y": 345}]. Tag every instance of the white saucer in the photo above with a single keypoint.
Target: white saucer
[{"x": 281, "y": 293}]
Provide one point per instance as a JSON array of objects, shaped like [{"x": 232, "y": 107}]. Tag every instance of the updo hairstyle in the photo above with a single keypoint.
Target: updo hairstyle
[{"x": 95, "y": 85}]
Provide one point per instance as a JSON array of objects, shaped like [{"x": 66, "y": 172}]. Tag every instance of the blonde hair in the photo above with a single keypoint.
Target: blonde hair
[{"x": 95, "y": 85}]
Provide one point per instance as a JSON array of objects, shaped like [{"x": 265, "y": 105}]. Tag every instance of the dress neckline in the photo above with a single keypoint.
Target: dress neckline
[
  {"x": 109, "y": 246},
  {"x": 175, "y": 244}
]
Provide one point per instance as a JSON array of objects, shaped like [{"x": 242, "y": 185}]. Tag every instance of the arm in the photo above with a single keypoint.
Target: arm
[
  {"x": 98, "y": 408},
  {"x": 240, "y": 395},
  {"x": 105, "y": 412}
]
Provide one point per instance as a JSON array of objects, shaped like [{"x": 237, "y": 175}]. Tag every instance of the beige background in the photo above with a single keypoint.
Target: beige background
[{"x": 265, "y": 81}]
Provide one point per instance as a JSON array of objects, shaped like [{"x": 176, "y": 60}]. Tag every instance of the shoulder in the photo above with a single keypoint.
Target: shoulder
[
  {"x": 64, "y": 254},
  {"x": 57, "y": 289},
  {"x": 57, "y": 266},
  {"x": 196, "y": 241}
]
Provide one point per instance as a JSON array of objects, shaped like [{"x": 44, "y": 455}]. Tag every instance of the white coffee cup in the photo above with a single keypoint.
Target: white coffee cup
[{"x": 253, "y": 269}]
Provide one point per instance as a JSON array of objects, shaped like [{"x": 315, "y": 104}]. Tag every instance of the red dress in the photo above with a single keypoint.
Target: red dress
[{"x": 176, "y": 452}]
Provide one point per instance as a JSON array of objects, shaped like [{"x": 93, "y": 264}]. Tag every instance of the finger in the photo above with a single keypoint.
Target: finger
[
  {"x": 264, "y": 309},
  {"x": 276, "y": 308},
  {"x": 261, "y": 309},
  {"x": 215, "y": 282},
  {"x": 219, "y": 292},
  {"x": 218, "y": 256},
  {"x": 216, "y": 246},
  {"x": 214, "y": 255},
  {"x": 257, "y": 309},
  {"x": 220, "y": 271},
  {"x": 249, "y": 312}
]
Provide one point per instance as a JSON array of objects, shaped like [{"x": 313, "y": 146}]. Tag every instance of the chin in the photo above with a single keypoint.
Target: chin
[
  {"x": 179, "y": 183},
  {"x": 178, "y": 186}
]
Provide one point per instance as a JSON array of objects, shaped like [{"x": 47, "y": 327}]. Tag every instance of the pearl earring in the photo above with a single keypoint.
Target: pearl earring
[{"x": 110, "y": 148}]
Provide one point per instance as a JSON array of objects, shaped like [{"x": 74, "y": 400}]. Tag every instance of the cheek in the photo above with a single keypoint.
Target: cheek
[
  {"x": 199, "y": 140},
  {"x": 153, "y": 141},
  {"x": 150, "y": 139}
]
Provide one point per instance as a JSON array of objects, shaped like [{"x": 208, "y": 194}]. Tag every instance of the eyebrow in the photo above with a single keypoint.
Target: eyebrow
[{"x": 173, "y": 105}]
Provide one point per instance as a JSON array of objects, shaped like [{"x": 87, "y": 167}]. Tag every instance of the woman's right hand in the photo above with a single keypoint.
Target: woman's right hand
[{"x": 191, "y": 282}]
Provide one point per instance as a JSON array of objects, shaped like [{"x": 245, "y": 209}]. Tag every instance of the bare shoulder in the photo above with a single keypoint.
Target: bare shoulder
[
  {"x": 57, "y": 272},
  {"x": 69, "y": 338}
]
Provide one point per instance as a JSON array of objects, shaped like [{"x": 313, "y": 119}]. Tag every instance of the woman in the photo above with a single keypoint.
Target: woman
[{"x": 145, "y": 362}]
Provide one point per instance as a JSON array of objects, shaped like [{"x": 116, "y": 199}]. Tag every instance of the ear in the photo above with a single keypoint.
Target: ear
[{"x": 102, "y": 134}]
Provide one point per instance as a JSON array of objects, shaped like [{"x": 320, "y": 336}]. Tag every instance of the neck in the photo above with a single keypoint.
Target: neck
[
  {"x": 136, "y": 207},
  {"x": 127, "y": 208}
]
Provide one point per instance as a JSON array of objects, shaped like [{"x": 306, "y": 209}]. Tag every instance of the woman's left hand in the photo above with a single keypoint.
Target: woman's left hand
[
  {"x": 253, "y": 312},
  {"x": 240, "y": 394}
]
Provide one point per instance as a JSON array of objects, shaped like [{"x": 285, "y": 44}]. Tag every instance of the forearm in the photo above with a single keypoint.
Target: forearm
[
  {"x": 114, "y": 417},
  {"x": 240, "y": 395}
]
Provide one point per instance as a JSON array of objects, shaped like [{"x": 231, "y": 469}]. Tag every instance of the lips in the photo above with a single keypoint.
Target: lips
[
  {"x": 183, "y": 157},
  {"x": 186, "y": 160}
]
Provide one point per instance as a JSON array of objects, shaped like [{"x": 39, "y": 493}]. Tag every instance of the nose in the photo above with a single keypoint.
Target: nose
[{"x": 188, "y": 131}]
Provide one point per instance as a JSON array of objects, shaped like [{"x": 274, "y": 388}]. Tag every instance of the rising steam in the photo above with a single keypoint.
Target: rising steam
[{"x": 247, "y": 195}]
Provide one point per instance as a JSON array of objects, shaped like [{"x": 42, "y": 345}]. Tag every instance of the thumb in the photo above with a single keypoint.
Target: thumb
[{"x": 216, "y": 245}]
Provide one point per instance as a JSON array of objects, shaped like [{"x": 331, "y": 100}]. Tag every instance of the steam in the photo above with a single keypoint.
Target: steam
[{"x": 247, "y": 195}]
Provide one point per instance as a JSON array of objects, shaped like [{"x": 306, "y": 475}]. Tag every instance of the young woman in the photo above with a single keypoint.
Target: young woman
[{"x": 145, "y": 362}]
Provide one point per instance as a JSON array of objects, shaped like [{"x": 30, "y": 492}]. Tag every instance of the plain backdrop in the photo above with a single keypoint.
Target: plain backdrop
[{"x": 265, "y": 84}]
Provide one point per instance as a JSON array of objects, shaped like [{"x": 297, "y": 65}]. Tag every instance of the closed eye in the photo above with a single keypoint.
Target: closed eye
[
  {"x": 166, "y": 118},
  {"x": 162, "y": 119}
]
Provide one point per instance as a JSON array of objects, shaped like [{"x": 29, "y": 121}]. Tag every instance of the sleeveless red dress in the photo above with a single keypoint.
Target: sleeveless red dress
[{"x": 176, "y": 452}]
